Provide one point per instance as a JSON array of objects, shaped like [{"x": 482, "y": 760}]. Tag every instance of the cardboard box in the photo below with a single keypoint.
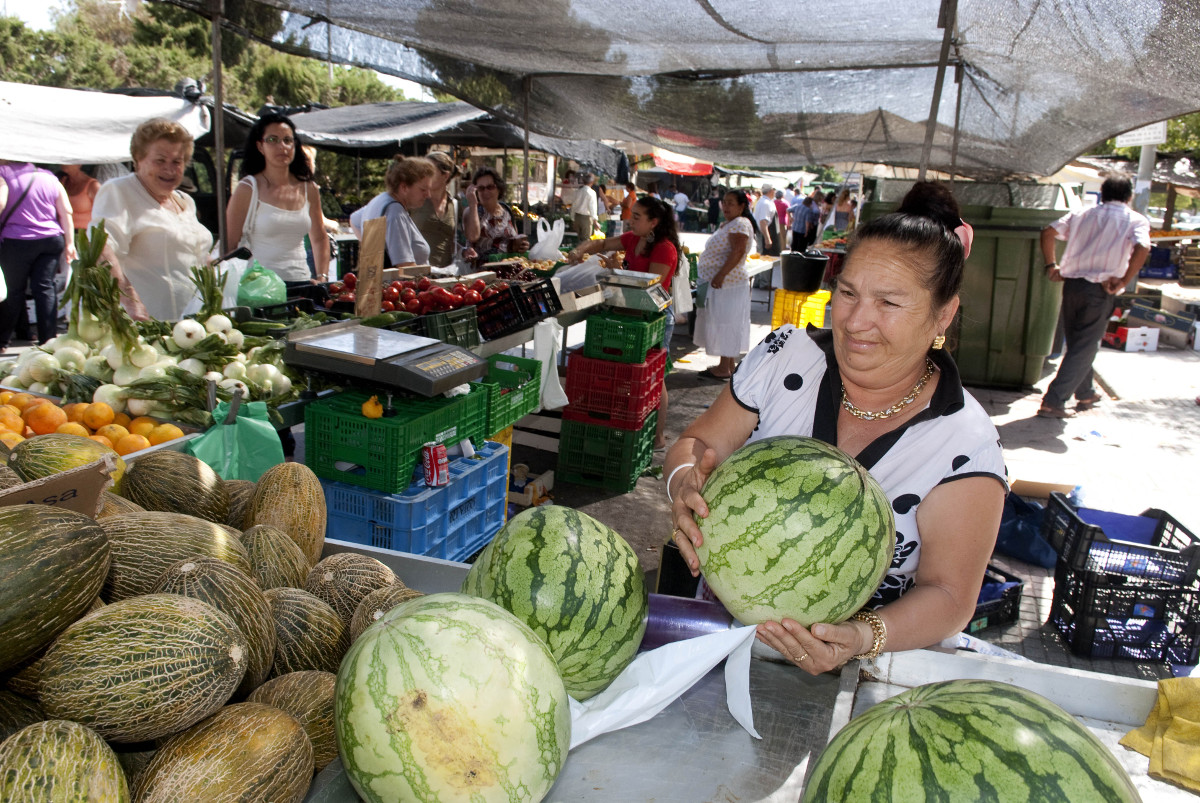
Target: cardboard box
[
  {"x": 580, "y": 299},
  {"x": 1174, "y": 328},
  {"x": 1140, "y": 338},
  {"x": 1036, "y": 489},
  {"x": 78, "y": 489}
]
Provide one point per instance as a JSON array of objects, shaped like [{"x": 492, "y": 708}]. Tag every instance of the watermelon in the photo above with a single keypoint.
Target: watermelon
[
  {"x": 275, "y": 558},
  {"x": 576, "y": 583},
  {"x": 308, "y": 696},
  {"x": 174, "y": 482},
  {"x": 60, "y": 762},
  {"x": 343, "y": 579},
  {"x": 52, "y": 565},
  {"x": 451, "y": 698},
  {"x": 245, "y": 753},
  {"x": 796, "y": 529},
  {"x": 144, "y": 668},
  {"x": 967, "y": 740}
]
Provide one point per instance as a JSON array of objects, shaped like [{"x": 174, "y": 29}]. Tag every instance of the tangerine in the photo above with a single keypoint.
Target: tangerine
[
  {"x": 143, "y": 425},
  {"x": 5, "y": 395},
  {"x": 11, "y": 420},
  {"x": 122, "y": 419},
  {"x": 75, "y": 411},
  {"x": 131, "y": 443},
  {"x": 101, "y": 439},
  {"x": 114, "y": 432},
  {"x": 20, "y": 400},
  {"x": 44, "y": 418},
  {"x": 163, "y": 433},
  {"x": 97, "y": 415},
  {"x": 74, "y": 428},
  {"x": 10, "y": 439}
]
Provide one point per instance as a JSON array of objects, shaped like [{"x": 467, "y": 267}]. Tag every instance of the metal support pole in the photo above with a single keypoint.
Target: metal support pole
[
  {"x": 217, "y": 9},
  {"x": 958, "y": 79},
  {"x": 528, "y": 86},
  {"x": 946, "y": 20},
  {"x": 1141, "y": 194}
]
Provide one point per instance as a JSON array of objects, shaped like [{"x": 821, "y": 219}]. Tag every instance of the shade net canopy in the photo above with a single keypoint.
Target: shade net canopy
[{"x": 777, "y": 85}]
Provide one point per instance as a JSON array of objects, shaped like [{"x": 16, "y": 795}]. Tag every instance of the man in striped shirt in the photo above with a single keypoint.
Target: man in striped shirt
[{"x": 1106, "y": 246}]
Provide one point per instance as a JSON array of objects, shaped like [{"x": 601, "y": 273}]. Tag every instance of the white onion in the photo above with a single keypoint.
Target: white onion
[
  {"x": 187, "y": 333},
  {"x": 70, "y": 358},
  {"x": 213, "y": 376},
  {"x": 112, "y": 395},
  {"x": 42, "y": 367},
  {"x": 152, "y": 372},
  {"x": 261, "y": 373},
  {"x": 137, "y": 407},
  {"x": 13, "y": 381},
  {"x": 235, "y": 370},
  {"x": 90, "y": 328},
  {"x": 233, "y": 384},
  {"x": 64, "y": 342},
  {"x": 126, "y": 375},
  {"x": 144, "y": 355},
  {"x": 282, "y": 384},
  {"x": 235, "y": 338},
  {"x": 218, "y": 323},
  {"x": 113, "y": 356},
  {"x": 25, "y": 374},
  {"x": 39, "y": 387},
  {"x": 192, "y": 366},
  {"x": 97, "y": 368}
]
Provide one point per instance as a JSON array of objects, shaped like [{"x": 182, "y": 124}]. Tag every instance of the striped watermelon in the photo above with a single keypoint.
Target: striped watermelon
[
  {"x": 796, "y": 529},
  {"x": 576, "y": 583},
  {"x": 451, "y": 698},
  {"x": 60, "y": 762},
  {"x": 967, "y": 740}
]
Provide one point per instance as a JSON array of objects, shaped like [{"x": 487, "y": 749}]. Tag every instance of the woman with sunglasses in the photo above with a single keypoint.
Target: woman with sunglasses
[
  {"x": 276, "y": 203},
  {"x": 487, "y": 224}
]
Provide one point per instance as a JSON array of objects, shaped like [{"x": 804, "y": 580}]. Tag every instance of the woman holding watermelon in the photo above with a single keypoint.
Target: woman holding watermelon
[{"x": 878, "y": 386}]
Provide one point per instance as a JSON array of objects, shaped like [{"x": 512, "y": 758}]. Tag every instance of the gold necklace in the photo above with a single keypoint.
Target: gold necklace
[{"x": 866, "y": 415}]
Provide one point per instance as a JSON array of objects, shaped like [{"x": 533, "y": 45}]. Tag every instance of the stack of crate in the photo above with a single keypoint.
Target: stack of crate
[
  {"x": 799, "y": 309},
  {"x": 1189, "y": 266},
  {"x": 614, "y": 388}
]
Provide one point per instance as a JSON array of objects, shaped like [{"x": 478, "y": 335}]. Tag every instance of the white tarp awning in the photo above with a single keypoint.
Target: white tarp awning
[{"x": 71, "y": 126}]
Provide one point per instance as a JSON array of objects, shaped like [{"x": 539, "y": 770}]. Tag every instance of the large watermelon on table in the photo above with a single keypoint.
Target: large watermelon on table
[
  {"x": 451, "y": 698},
  {"x": 60, "y": 762},
  {"x": 796, "y": 529},
  {"x": 967, "y": 740},
  {"x": 576, "y": 583}
]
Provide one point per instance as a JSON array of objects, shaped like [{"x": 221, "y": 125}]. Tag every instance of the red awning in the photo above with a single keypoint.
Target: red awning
[{"x": 680, "y": 165}]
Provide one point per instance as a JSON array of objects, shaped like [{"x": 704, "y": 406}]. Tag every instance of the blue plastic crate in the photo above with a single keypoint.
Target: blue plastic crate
[{"x": 451, "y": 522}]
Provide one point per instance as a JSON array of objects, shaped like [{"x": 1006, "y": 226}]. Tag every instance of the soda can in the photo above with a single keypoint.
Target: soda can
[{"x": 436, "y": 463}]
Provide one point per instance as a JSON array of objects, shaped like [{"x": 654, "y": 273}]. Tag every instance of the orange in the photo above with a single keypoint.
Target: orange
[
  {"x": 143, "y": 425},
  {"x": 75, "y": 411},
  {"x": 5, "y": 395},
  {"x": 19, "y": 400},
  {"x": 163, "y": 433},
  {"x": 74, "y": 428},
  {"x": 44, "y": 418},
  {"x": 10, "y": 419},
  {"x": 131, "y": 443},
  {"x": 101, "y": 439},
  {"x": 114, "y": 432},
  {"x": 122, "y": 419},
  {"x": 97, "y": 414},
  {"x": 10, "y": 439}
]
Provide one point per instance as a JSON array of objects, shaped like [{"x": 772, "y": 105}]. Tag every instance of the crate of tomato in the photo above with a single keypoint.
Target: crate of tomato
[{"x": 421, "y": 296}]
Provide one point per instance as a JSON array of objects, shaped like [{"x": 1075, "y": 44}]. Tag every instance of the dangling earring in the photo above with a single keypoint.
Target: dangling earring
[{"x": 939, "y": 341}]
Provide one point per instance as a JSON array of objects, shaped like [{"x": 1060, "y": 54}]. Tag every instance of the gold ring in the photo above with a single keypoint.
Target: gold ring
[{"x": 802, "y": 658}]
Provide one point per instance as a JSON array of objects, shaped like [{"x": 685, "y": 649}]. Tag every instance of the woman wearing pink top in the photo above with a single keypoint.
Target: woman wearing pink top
[{"x": 35, "y": 229}]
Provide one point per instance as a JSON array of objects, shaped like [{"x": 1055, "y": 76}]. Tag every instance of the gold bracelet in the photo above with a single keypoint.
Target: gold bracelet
[{"x": 878, "y": 629}]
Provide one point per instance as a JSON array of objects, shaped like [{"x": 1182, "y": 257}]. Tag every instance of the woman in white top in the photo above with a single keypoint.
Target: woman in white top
[
  {"x": 277, "y": 203},
  {"x": 153, "y": 234},
  {"x": 723, "y": 324}
]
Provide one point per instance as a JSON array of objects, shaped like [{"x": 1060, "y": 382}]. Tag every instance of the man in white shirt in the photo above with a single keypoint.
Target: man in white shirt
[
  {"x": 681, "y": 203},
  {"x": 584, "y": 208},
  {"x": 1106, "y": 247},
  {"x": 789, "y": 195},
  {"x": 764, "y": 214}
]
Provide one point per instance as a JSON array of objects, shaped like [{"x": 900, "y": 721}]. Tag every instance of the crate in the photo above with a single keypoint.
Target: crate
[
  {"x": 799, "y": 309},
  {"x": 589, "y": 454},
  {"x": 458, "y": 327},
  {"x": 1159, "y": 272},
  {"x": 623, "y": 337},
  {"x": 1002, "y": 610},
  {"x": 1114, "y": 616},
  {"x": 614, "y": 393},
  {"x": 517, "y": 307},
  {"x": 1153, "y": 545},
  {"x": 514, "y": 387},
  {"x": 451, "y": 522},
  {"x": 380, "y": 453}
]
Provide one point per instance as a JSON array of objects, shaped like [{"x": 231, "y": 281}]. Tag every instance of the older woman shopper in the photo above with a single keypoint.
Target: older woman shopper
[
  {"x": 651, "y": 246},
  {"x": 277, "y": 202},
  {"x": 154, "y": 237},
  {"x": 36, "y": 229},
  {"x": 437, "y": 218},
  {"x": 408, "y": 180},
  {"x": 723, "y": 323},
  {"x": 487, "y": 224},
  {"x": 878, "y": 386}
]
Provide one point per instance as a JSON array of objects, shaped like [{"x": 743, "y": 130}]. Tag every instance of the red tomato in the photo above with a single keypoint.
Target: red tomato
[
  {"x": 412, "y": 305},
  {"x": 348, "y": 297},
  {"x": 425, "y": 297},
  {"x": 424, "y": 283},
  {"x": 329, "y": 303},
  {"x": 350, "y": 280},
  {"x": 479, "y": 285},
  {"x": 407, "y": 294},
  {"x": 409, "y": 284},
  {"x": 458, "y": 289},
  {"x": 391, "y": 294},
  {"x": 488, "y": 292},
  {"x": 399, "y": 285},
  {"x": 388, "y": 306},
  {"x": 443, "y": 296},
  {"x": 336, "y": 287},
  {"x": 472, "y": 297}
]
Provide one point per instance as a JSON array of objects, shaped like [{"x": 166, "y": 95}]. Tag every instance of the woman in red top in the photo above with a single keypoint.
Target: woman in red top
[{"x": 651, "y": 246}]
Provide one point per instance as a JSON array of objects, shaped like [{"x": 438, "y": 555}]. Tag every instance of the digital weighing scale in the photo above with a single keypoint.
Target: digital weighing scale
[
  {"x": 634, "y": 290},
  {"x": 383, "y": 357}
]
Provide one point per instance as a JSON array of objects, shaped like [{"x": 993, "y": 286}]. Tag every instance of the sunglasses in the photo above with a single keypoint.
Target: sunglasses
[
  {"x": 274, "y": 140},
  {"x": 485, "y": 186}
]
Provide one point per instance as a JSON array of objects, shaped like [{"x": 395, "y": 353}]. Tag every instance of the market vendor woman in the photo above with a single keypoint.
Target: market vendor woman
[{"x": 878, "y": 386}]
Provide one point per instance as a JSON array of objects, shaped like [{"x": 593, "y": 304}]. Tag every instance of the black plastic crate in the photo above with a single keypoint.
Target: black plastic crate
[
  {"x": 1003, "y": 610},
  {"x": 516, "y": 308},
  {"x": 1171, "y": 553}
]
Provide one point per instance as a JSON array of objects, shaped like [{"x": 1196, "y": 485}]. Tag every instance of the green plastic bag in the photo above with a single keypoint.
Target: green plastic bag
[
  {"x": 260, "y": 287},
  {"x": 241, "y": 446}
]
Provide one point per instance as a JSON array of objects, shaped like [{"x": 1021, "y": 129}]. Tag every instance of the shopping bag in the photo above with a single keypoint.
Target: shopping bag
[
  {"x": 681, "y": 289},
  {"x": 701, "y": 294},
  {"x": 241, "y": 444},
  {"x": 260, "y": 287},
  {"x": 549, "y": 239}
]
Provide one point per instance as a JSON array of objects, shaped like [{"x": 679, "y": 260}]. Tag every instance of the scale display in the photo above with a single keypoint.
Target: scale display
[{"x": 383, "y": 357}]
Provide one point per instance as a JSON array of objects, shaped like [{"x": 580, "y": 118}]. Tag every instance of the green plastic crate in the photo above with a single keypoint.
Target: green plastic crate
[
  {"x": 514, "y": 389},
  {"x": 381, "y": 453},
  {"x": 591, "y": 454},
  {"x": 458, "y": 327},
  {"x": 623, "y": 338}
]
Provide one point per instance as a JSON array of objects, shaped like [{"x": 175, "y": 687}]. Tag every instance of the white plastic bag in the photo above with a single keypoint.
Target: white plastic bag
[
  {"x": 546, "y": 336},
  {"x": 681, "y": 289},
  {"x": 549, "y": 239}
]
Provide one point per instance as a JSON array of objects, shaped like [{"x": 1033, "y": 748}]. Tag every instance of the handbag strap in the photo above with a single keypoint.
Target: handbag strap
[
  {"x": 8, "y": 213},
  {"x": 252, "y": 213}
]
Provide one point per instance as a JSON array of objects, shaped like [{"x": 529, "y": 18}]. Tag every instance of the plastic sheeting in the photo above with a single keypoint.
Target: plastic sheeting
[{"x": 784, "y": 84}]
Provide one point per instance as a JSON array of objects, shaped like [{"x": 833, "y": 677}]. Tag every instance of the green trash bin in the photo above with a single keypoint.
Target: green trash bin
[{"x": 1005, "y": 325}]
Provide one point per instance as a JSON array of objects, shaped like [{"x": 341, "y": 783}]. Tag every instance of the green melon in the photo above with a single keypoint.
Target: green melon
[
  {"x": 52, "y": 565},
  {"x": 967, "y": 740},
  {"x": 241, "y": 493},
  {"x": 174, "y": 482},
  {"x": 113, "y": 505},
  {"x": 308, "y": 633},
  {"x": 44, "y": 455},
  {"x": 245, "y": 753},
  {"x": 144, "y": 545},
  {"x": 796, "y": 529},
  {"x": 144, "y": 668},
  {"x": 376, "y": 604},
  {"x": 60, "y": 762},
  {"x": 576, "y": 582},
  {"x": 275, "y": 558},
  {"x": 343, "y": 579},
  {"x": 16, "y": 712},
  {"x": 289, "y": 496},
  {"x": 9, "y": 478},
  {"x": 232, "y": 592},
  {"x": 451, "y": 697},
  {"x": 308, "y": 696}
]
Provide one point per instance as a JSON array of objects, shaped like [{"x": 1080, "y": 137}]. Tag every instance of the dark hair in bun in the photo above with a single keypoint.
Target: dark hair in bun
[{"x": 925, "y": 223}]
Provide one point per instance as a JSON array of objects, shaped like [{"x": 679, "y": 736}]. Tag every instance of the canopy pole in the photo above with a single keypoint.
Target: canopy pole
[
  {"x": 958, "y": 79},
  {"x": 217, "y": 8},
  {"x": 527, "y": 85},
  {"x": 946, "y": 20}
]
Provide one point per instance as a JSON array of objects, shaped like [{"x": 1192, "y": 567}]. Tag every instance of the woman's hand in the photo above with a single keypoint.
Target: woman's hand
[
  {"x": 521, "y": 243},
  {"x": 719, "y": 280},
  {"x": 472, "y": 195},
  {"x": 135, "y": 308},
  {"x": 821, "y": 649},
  {"x": 689, "y": 502}
]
